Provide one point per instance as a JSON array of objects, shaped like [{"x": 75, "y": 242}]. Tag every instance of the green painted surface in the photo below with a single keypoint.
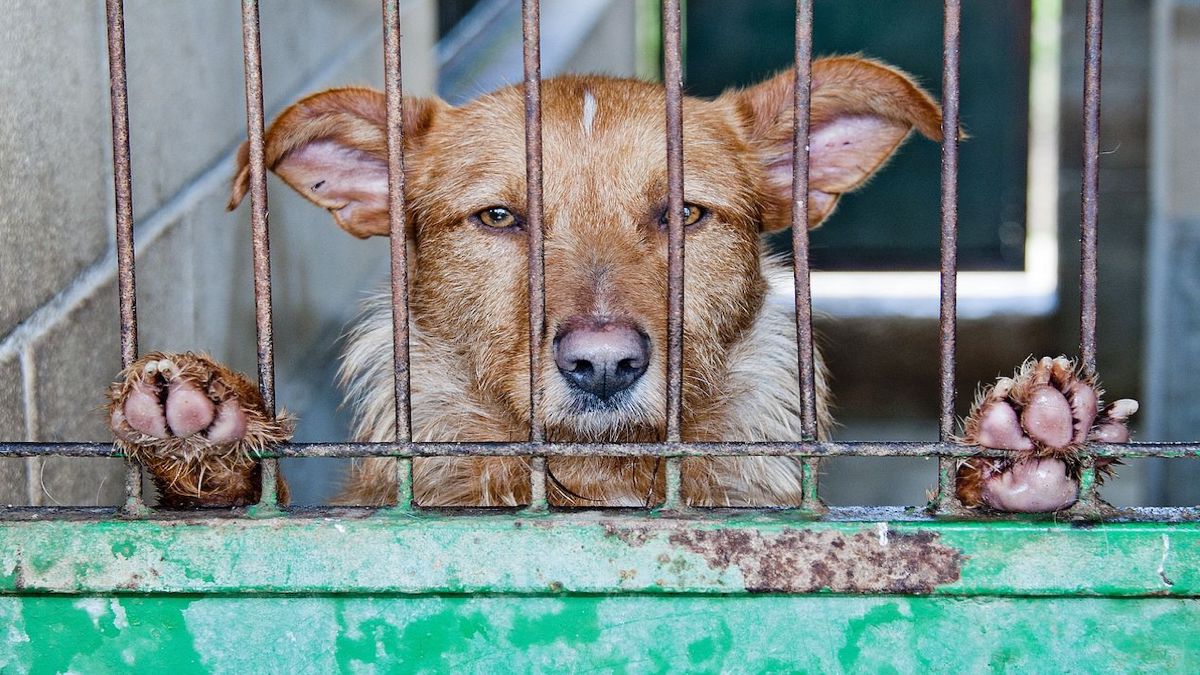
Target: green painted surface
[
  {"x": 596, "y": 591},
  {"x": 327, "y": 634},
  {"x": 598, "y": 553}
]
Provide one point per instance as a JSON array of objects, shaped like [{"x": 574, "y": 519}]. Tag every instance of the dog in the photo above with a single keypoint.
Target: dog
[{"x": 191, "y": 420}]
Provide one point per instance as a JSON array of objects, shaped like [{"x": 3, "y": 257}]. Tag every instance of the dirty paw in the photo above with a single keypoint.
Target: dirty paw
[
  {"x": 193, "y": 423},
  {"x": 1042, "y": 416}
]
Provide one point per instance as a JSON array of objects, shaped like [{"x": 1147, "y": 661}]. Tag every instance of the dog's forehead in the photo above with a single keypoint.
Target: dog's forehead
[{"x": 594, "y": 128}]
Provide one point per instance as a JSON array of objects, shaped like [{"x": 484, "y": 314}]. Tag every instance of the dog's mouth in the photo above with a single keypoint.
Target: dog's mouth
[{"x": 579, "y": 416}]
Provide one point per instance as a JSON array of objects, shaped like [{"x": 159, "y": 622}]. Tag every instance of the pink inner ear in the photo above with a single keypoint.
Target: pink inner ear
[
  {"x": 846, "y": 151},
  {"x": 348, "y": 182}
]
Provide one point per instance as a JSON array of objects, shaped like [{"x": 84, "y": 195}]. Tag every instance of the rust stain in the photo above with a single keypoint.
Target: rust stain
[
  {"x": 635, "y": 536},
  {"x": 805, "y": 561}
]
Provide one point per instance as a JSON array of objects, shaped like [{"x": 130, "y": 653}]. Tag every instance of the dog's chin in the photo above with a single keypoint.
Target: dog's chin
[{"x": 578, "y": 416}]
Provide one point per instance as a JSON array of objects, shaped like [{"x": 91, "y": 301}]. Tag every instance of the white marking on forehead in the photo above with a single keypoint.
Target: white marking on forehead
[{"x": 589, "y": 111}]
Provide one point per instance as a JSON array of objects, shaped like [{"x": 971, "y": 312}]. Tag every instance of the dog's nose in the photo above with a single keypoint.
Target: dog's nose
[{"x": 601, "y": 357}]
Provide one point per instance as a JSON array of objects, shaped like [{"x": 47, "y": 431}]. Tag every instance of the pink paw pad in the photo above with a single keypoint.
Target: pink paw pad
[
  {"x": 1044, "y": 416},
  {"x": 164, "y": 404},
  {"x": 1031, "y": 486}
]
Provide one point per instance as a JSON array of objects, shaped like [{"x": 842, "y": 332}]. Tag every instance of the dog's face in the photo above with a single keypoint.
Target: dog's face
[{"x": 605, "y": 193}]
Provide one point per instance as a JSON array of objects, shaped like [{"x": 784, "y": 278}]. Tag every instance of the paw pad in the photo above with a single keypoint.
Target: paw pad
[
  {"x": 193, "y": 423},
  {"x": 1043, "y": 416}
]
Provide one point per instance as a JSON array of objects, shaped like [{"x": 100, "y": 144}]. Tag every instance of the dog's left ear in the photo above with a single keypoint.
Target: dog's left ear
[{"x": 861, "y": 112}]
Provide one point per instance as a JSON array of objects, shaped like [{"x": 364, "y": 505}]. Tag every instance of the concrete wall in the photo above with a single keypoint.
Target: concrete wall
[
  {"x": 1172, "y": 368},
  {"x": 58, "y": 302}
]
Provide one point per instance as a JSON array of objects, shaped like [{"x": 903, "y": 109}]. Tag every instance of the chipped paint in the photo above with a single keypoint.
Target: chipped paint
[{"x": 807, "y": 561}]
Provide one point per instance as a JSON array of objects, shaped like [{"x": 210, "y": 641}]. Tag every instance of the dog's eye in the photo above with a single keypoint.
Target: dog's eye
[
  {"x": 497, "y": 217},
  {"x": 692, "y": 214}
]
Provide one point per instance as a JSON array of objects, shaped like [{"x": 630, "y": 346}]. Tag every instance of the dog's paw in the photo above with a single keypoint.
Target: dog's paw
[
  {"x": 193, "y": 424},
  {"x": 1042, "y": 416}
]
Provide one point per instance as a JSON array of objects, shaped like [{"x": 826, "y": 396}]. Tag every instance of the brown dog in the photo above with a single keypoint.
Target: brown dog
[{"x": 604, "y": 353}]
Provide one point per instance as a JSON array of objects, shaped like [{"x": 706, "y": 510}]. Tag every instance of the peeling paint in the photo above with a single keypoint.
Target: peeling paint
[
  {"x": 1166, "y": 540},
  {"x": 806, "y": 561}
]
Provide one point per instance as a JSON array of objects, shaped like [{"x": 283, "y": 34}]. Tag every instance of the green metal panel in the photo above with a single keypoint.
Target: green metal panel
[
  {"x": 827, "y": 634},
  {"x": 745, "y": 592}
]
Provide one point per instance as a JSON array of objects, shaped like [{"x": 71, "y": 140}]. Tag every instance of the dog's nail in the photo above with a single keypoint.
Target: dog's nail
[{"x": 167, "y": 368}]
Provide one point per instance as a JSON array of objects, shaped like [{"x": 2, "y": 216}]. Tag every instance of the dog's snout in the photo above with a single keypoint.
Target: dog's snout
[{"x": 602, "y": 358}]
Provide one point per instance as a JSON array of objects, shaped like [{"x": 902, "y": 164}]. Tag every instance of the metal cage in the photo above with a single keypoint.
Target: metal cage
[{"x": 911, "y": 566}]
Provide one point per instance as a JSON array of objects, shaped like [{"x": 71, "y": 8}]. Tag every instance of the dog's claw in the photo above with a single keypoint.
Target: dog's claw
[{"x": 1043, "y": 417}]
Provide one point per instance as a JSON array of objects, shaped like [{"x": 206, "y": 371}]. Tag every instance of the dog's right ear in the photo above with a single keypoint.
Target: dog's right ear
[{"x": 331, "y": 147}]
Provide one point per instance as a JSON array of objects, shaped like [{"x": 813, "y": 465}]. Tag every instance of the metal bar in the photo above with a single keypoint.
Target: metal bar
[
  {"x": 702, "y": 449},
  {"x": 123, "y": 189},
  {"x": 673, "y": 83},
  {"x": 255, "y": 129},
  {"x": 948, "y": 319},
  {"x": 1165, "y": 515},
  {"x": 1089, "y": 221},
  {"x": 673, "y": 80},
  {"x": 398, "y": 239},
  {"x": 1091, "y": 186},
  {"x": 531, "y": 35},
  {"x": 394, "y": 87},
  {"x": 800, "y": 265},
  {"x": 802, "y": 96}
]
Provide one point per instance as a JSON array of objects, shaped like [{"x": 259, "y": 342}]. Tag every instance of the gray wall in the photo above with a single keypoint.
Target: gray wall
[{"x": 58, "y": 303}]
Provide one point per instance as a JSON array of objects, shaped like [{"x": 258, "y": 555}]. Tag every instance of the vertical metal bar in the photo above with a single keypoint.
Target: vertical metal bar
[
  {"x": 123, "y": 189},
  {"x": 673, "y": 81},
  {"x": 948, "y": 319},
  {"x": 1091, "y": 186},
  {"x": 800, "y": 265},
  {"x": 1089, "y": 221},
  {"x": 531, "y": 38},
  {"x": 255, "y": 122},
  {"x": 394, "y": 87},
  {"x": 802, "y": 96}
]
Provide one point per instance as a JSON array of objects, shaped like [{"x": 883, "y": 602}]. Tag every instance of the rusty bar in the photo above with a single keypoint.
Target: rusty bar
[
  {"x": 673, "y": 83},
  {"x": 531, "y": 38},
  {"x": 1089, "y": 221},
  {"x": 1091, "y": 186},
  {"x": 948, "y": 319},
  {"x": 396, "y": 215},
  {"x": 255, "y": 121},
  {"x": 123, "y": 190},
  {"x": 1167, "y": 450},
  {"x": 398, "y": 240},
  {"x": 835, "y": 514},
  {"x": 800, "y": 266},
  {"x": 802, "y": 95},
  {"x": 531, "y": 35}
]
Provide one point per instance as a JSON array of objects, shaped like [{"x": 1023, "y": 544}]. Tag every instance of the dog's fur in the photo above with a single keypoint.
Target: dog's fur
[{"x": 605, "y": 197}]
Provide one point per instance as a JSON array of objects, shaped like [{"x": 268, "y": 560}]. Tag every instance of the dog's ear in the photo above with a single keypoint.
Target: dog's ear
[
  {"x": 861, "y": 111},
  {"x": 331, "y": 147}
]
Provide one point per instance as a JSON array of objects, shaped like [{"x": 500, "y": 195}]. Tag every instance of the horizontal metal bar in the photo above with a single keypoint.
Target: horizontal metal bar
[
  {"x": 794, "y": 449},
  {"x": 832, "y": 514}
]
